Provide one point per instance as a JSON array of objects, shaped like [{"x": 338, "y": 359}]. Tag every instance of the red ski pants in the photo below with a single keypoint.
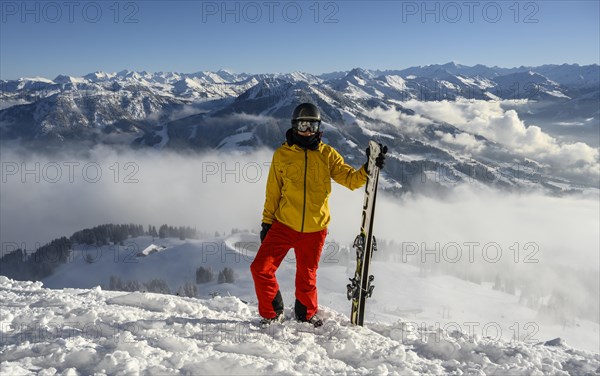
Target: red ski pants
[{"x": 307, "y": 247}]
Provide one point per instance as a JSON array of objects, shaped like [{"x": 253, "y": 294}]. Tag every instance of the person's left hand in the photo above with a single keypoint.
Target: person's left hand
[{"x": 380, "y": 160}]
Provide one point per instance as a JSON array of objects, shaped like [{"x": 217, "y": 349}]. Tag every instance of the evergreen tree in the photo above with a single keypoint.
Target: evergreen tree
[
  {"x": 498, "y": 283},
  {"x": 189, "y": 289},
  {"x": 158, "y": 286},
  {"x": 163, "y": 231},
  {"x": 115, "y": 283},
  {"x": 133, "y": 285},
  {"x": 204, "y": 275},
  {"x": 226, "y": 276},
  {"x": 510, "y": 286}
]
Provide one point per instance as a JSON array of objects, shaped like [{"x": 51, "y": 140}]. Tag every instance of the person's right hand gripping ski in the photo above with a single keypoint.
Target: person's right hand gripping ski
[{"x": 263, "y": 232}]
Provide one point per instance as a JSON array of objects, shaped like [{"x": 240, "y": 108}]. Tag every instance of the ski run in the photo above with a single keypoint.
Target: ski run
[{"x": 96, "y": 332}]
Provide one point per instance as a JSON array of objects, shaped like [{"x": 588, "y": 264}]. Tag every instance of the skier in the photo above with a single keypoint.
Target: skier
[{"x": 296, "y": 214}]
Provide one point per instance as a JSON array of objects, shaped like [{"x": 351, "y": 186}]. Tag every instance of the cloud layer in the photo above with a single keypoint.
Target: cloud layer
[
  {"x": 44, "y": 198},
  {"x": 63, "y": 194},
  {"x": 49, "y": 197},
  {"x": 491, "y": 120}
]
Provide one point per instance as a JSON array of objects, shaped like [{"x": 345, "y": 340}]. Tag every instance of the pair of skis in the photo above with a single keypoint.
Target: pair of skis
[{"x": 360, "y": 287}]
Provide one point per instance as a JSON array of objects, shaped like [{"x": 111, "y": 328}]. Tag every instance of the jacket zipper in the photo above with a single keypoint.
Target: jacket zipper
[{"x": 304, "y": 203}]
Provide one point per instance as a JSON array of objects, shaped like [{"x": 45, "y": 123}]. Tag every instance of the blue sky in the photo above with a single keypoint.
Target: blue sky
[{"x": 41, "y": 38}]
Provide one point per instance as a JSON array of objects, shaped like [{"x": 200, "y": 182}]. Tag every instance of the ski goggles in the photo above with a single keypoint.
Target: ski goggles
[{"x": 307, "y": 125}]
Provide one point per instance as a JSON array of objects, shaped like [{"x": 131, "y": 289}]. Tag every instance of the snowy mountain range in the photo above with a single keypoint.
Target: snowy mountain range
[
  {"x": 435, "y": 325},
  {"x": 228, "y": 111}
]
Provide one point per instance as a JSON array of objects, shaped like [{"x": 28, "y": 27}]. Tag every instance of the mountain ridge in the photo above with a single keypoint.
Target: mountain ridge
[
  {"x": 202, "y": 110},
  {"x": 594, "y": 69}
]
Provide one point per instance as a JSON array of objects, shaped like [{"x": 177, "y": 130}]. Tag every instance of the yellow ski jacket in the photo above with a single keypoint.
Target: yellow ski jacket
[{"x": 299, "y": 185}]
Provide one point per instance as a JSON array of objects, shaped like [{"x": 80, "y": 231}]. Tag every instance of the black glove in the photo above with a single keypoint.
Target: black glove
[
  {"x": 380, "y": 160},
  {"x": 263, "y": 232}
]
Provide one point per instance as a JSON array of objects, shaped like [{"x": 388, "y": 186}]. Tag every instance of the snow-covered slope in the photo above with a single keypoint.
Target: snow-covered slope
[
  {"x": 75, "y": 331},
  {"x": 439, "y": 300}
]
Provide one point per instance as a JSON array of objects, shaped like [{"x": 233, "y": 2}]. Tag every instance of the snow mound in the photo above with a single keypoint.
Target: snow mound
[{"x": 77, "y": 331}]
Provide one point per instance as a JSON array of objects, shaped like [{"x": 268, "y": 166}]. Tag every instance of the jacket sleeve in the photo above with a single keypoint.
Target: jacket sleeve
[
  {"x": 273, "y": 193},
  {"x": 345, "y": 174}
]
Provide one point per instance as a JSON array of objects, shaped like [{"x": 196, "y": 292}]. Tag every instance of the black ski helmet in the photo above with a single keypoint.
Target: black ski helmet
[{"x": 306, "y": 111}]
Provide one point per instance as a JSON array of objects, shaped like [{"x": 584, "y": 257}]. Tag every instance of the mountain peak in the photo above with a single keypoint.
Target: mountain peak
[
  {"x": 360, "y": 73},
  {"x": 34, "y": 79},
  {"x": 452, "y": 64},
  {"x": 126, "y": 73},
  {"x": 98, "y": 76},
  {"x": 63, "y": 79}
]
